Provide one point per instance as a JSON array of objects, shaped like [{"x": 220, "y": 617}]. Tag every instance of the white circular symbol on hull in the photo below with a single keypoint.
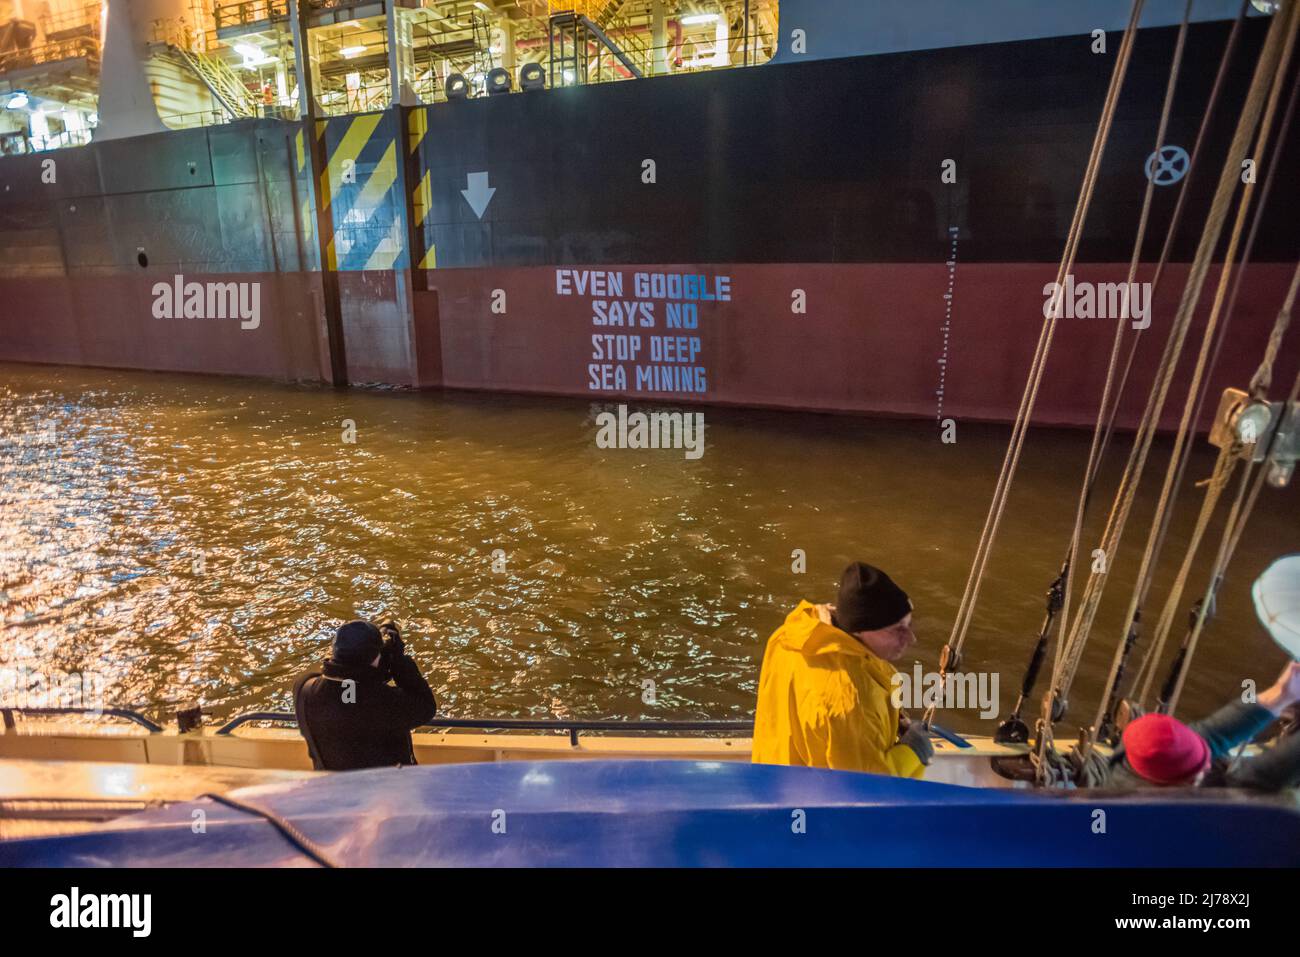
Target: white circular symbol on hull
[{"x": 1167, "y": 165}]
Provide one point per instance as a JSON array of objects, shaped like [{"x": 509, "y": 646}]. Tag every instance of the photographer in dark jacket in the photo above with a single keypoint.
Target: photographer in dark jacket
[{"x": 349, "y": 713}]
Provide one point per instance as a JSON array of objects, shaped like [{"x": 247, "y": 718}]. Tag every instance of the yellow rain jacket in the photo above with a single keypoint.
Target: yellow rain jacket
[{"x": 824, "y": 701}]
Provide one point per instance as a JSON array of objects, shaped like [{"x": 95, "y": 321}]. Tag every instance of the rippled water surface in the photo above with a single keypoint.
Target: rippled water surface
[{"x": 192, "y": 536}]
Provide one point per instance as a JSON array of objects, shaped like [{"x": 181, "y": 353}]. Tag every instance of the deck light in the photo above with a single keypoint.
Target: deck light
[
  {"x": 532, "y": 76},
  {"x": 457, "y": 87},
  {"x": 253, "y": 56},
  {"x": 498, "y": 81},
  {"x": 18, "y": 100},
  {"x": 350, "y": 52},
  {"x": 697, "y": 18}
]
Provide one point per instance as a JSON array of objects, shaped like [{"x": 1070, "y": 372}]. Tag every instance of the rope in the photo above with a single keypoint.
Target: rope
[
  {"x": 1240, "y": 513},
  {"x": 1176, "y": 220},
  {"x": 1186, "y": 425},
  {"x": 1265, "y": 71},
  {"x": 1224, "y": 465},
  {"x": 1263, "y": 378},
  {"x": 1144, "y": 585},
  {"x": 1259, "y": 384},
  {"x": 295, "y": 837},
  {"x": 1011, "y": 461},
  {"x": 1101, "y": 431},
  {"x": 1202, "y": 610},
  {"x": 1068, "y": 657}
]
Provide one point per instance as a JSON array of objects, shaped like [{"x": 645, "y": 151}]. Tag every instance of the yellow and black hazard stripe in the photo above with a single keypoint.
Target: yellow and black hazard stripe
[
  {"x": 357, "y": 186},
  {"x": 421, "y": 193}
]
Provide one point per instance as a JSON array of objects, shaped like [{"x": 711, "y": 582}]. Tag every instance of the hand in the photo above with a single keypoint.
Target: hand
[
  {"x": 1285, "y": 691},
  {"x": 917, "y": 738},
  {"x": 394, "y": 647}
]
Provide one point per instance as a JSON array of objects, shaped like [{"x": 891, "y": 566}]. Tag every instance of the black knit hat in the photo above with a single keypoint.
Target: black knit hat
[
  {"x": 357, "y": 643},
  {"x": 869, "y": 600}
]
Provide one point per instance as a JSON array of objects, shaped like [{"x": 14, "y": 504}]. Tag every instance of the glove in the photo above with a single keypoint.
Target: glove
[
  {"x": 394, "y": 647},
  {"x": 917, "y": 738}
]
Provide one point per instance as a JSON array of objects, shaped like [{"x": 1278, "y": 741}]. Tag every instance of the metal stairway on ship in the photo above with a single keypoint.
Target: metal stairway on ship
[
  {"x": 570, "y": 35},
  {"x": 221, "y": 81}
]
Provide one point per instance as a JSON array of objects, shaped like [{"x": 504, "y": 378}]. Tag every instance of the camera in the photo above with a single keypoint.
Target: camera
[{"x": 394, "y": 647}]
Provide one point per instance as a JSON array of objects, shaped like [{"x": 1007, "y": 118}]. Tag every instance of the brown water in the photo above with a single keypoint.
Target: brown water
[{"x": 189, "y": 536}]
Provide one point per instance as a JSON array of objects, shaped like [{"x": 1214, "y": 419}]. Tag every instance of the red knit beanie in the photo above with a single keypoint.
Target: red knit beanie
[{"x": 1163, "y": 750}]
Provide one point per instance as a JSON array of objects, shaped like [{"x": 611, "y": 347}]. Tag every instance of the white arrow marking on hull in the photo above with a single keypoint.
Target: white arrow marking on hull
[{"x": 479, "y": 193}]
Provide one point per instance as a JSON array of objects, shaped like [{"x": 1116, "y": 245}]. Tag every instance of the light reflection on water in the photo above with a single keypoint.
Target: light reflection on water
[{"x": 190, "y": 536}]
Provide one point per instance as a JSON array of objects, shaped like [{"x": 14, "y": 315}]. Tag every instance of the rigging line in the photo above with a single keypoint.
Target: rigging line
[
  {"x": 1239, "y": 515},
  {"x": 1180, "y": 205},
  {"x": 1169, "y": 611},
  {"x": 970, "y": 595},
  {"x": 1266, "y": 79},
  {"x": 1148, "y": 419},
  {"x": 1011, "y": 460},
  {"x": 1184, "y": 428},
  {"x": 1193, "y": 166},
  {"x": 1261, "y": 81},
  {"x": 1167, "y": 698},
  {"x": 1238, "y": 276},
  {"x": 1221, "y": 335},
  {"x": 1097, "y": 449},
  {"x": 1224, "y": 465},
  {"x": 1263, "y": 377}
]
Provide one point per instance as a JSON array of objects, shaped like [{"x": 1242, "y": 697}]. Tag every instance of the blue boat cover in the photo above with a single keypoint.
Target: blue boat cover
[{"x": 681, "y": 813}]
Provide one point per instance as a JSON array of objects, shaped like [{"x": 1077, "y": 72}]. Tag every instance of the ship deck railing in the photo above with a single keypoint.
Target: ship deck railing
[
  {"x": 573, "y": 727},
  {"x": 199, "y": 118},
  {"x": 243, "y": 13},
  {"x": 58, "y": 51}
]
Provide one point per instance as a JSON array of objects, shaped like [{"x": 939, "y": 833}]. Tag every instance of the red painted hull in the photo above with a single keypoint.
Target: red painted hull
[
  {"x": 108, "y": 321},
  {"x": 871, "y": 340}
]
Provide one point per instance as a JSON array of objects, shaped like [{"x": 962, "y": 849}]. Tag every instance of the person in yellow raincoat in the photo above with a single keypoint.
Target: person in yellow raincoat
[{"x": 824, "y": 694}]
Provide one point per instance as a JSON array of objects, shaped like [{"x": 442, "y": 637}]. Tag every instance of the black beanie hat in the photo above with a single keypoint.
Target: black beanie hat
[
  {"x": 869, "y": 600},
  {"x": 357, "y": 643}
]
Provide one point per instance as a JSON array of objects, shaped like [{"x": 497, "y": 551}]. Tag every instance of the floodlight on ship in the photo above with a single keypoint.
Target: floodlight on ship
[
  {"x": 457, "y": 87},
  {"x": 498, "y": 81},
  {"x": 532, "y": 77}
]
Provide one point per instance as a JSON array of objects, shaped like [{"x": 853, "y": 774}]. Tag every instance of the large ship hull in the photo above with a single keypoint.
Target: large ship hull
[{"x": 781, "y": 236}]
